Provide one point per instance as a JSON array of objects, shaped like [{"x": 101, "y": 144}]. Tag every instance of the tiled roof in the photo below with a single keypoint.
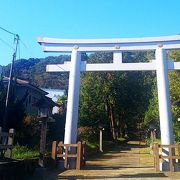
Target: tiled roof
[{"x": 26, "y": 83}]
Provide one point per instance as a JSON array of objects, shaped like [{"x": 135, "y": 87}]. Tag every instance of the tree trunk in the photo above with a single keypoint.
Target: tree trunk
[
  {"x": 112, "y": 119},
  {"x": 113, "y": 122}
]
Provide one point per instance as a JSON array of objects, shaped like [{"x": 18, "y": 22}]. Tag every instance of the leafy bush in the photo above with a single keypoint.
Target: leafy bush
[
  {"x": 23, "y": 152},
  {"x": 85, "y": 133},
  {"x": 28, "y": 132}
]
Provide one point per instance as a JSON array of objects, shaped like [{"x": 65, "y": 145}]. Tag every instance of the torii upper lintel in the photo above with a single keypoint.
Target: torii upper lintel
[
  {"x": 123, "y": 44},
  {"x": 117, "y": 46}
]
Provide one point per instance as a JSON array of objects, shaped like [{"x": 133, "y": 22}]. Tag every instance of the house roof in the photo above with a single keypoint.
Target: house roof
[
  {"x": 47, "y": 101},
  {"x": 27, "y": 84},
  {"x": 19, "y": 81}
]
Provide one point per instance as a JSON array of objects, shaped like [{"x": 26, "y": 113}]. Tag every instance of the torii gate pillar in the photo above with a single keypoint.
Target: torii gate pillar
[
  {"x": 164, "y": 97},
  {"x": 73, "y": 99}
]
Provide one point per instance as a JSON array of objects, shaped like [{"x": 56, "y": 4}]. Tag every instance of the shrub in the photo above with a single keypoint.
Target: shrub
[
  {"x": 85, "y": 133},
  {"x": 23, "y": 152}
]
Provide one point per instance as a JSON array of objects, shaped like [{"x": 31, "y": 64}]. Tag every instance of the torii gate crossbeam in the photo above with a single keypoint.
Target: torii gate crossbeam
[{"x": 161, "y": 65}]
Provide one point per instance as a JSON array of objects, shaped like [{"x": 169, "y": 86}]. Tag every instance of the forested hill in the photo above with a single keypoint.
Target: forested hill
[{"x": 34, "y": 71}]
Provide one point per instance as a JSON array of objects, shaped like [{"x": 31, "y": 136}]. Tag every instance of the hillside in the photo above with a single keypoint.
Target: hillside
[{"x": 34, "y": 71}]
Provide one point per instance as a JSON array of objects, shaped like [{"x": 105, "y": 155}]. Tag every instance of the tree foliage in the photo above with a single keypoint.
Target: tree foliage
[
  {"x": 152, "y": 112},
  {"x": 118, "y": 100}
]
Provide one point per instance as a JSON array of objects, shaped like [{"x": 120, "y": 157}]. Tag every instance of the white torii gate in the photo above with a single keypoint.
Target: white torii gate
[{"x": 160, "y": 64}]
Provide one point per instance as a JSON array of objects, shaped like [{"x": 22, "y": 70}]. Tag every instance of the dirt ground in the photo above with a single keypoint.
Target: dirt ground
[{"x": 128, "y": 161}]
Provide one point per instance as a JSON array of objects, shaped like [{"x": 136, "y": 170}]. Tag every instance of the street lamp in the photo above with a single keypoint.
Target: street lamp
[
  {"x": 43, "y": 113},
  {"x": 152, "y": 130},
  {"x": 101, "y": 129}
]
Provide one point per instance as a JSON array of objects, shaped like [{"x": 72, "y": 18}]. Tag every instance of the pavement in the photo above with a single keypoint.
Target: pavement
[{"x": 131, "y": 161}]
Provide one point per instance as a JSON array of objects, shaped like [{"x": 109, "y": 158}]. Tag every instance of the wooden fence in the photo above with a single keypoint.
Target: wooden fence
[
  {"x": 173, "y": 156},
  {"x": 6, "y": 142},
  {"x": 64, "y": 152}
]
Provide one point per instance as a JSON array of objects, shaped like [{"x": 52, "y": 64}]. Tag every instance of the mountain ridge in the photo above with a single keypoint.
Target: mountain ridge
[{"x": 34, "y": 71}]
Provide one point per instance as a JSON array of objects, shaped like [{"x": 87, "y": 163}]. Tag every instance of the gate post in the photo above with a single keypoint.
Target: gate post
[
  {"x": 73, "y": 99},
  {"x": 164, "y": 101},
  {"x": 156, "y": 156}
]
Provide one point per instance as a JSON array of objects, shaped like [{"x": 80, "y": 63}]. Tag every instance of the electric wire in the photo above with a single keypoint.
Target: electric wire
[
  {"x": 8, "y": 31},
  {"x": 60, "y": 67},
  {"x": 7, "y": 44},
  {"x": 23, "y": 44},
  {"x": 26, "y": 47},
  {"x": 16, "y": 36}
]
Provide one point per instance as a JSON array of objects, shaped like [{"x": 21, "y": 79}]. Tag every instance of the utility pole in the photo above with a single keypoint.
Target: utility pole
[{"x": 16, "y": 38}]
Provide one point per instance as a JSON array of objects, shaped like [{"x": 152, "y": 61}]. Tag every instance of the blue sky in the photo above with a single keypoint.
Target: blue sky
[{"x": 83, "y": 19}]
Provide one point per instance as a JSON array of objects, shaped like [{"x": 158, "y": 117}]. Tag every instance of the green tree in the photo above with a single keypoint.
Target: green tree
[
  {"x": 116, "y": 99},
  {"x": 174, "y": 84}
]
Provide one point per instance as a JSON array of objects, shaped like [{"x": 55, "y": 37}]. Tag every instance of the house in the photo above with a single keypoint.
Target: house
[{"x": 31, "y": 96}]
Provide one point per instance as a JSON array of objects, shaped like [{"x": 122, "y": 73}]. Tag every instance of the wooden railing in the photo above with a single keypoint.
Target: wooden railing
[
  {"x": 6, "y": 142},
  {"x": 64, "y": 152},
  {"x": 173, "y": 155}
]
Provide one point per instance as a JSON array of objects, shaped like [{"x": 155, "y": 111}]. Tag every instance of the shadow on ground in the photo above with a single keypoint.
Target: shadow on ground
[
  {"x": 124, "y": 176},
  {"x": 123, "y": 161}
]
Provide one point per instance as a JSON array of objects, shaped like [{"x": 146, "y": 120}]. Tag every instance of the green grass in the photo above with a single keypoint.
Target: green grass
[
  {"x": 92, "y": 148},
  {"x": 121, "y": 139},
  {"x": 23, "y": 152}
]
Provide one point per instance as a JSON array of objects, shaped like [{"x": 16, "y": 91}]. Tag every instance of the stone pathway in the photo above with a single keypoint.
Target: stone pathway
[{"x": 130, "y": 161}]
